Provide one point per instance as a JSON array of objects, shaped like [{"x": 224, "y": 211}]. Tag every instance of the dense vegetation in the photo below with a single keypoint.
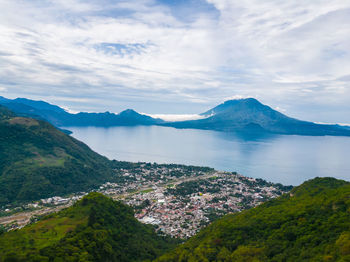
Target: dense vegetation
[
  {"x": 37, "y": 161},
  {"x": 312, "y": 223},
  {"x": 94, "y": 229}
]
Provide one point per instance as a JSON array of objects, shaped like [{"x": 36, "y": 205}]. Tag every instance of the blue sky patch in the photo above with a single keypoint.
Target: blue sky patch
[{"x": 121, "y": 49}]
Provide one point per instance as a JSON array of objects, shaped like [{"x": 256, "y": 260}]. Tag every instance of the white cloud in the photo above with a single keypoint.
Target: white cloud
[
  {"x": 235, "y": 97},
  {"x": 282, "y": 52},
  {"x": 176, "y": 117}
]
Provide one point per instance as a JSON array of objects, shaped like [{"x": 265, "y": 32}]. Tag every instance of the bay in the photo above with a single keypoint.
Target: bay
[{"x": 285, "y": 159}]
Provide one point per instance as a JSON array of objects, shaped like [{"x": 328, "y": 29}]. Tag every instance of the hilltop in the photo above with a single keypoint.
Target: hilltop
[
  {"x": 95, "y": 229},
  {"x": 311, "y": 223},
  {"x": 37, "y": 161}
]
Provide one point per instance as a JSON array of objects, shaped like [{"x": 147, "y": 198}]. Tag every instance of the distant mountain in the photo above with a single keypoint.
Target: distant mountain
[
  {"x": 39, "y": 105},
  {"x": 249, "y": 115},
  {"x": 127, "y": 117},
  {"x": 3, "y": 99},
  {"x": 59, "y": 117},
  {"x": 241, "y": 115},
  {"x": 38, "y": 161},
  {"x": 309, "y": 224},
  {"x": 94, "y": 229}
]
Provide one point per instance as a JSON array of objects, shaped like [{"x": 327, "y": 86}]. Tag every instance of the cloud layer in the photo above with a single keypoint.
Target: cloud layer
[{"x": 178, "y": 56}]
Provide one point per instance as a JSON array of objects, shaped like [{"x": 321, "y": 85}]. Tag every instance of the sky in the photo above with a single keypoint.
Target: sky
[{"x": 179, "y": 57}]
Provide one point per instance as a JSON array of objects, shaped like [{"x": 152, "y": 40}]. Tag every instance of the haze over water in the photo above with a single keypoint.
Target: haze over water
[{"x": 285, "y": 159}]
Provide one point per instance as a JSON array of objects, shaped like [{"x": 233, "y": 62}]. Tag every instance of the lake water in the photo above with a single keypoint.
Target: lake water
[{"x": 277, "y": 158}]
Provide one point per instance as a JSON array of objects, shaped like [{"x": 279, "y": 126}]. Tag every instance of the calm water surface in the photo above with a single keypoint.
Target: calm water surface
[{"x": 276, "y": 158}]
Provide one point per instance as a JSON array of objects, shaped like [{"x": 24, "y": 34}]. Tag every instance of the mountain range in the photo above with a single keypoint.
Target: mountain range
[
  {"x": 241, "y": 115},
  {"x": 60, "y": 117}
]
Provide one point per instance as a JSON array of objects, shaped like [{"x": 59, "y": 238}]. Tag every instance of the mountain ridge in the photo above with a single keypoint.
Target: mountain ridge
[
  {"x": 61, "y": 118},
  {"x": 246, "y": 115}
]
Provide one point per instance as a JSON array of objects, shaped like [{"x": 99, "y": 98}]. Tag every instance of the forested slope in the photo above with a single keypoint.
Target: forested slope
[
  {"x": 312, "y": 223},
  {"x": 94, "y": 229},
  {"x": 37, "y": 161}
]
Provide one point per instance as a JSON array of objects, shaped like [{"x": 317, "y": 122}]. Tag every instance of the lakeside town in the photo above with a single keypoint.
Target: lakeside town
[
  {"x": 182, "y": 210},
  {"x": 177, "y": 200}
]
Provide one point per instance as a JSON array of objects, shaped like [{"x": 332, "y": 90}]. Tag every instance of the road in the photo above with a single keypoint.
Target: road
[{"x": 23, "y": 218}]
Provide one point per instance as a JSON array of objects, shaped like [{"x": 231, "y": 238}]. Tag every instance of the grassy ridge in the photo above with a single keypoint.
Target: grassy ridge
[
  {"x": 94, "y": 229},
  {"x": 20, "y": 244},
  {"x": 37, "y": 161},
  {"x": 310, "y": 224}
]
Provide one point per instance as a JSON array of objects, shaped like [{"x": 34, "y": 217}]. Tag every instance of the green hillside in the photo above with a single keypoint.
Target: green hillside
[
  {"x": 37, "y": 161},
  {"x": 94, "y": 229},
  {"x": 312, "y": 223}
]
